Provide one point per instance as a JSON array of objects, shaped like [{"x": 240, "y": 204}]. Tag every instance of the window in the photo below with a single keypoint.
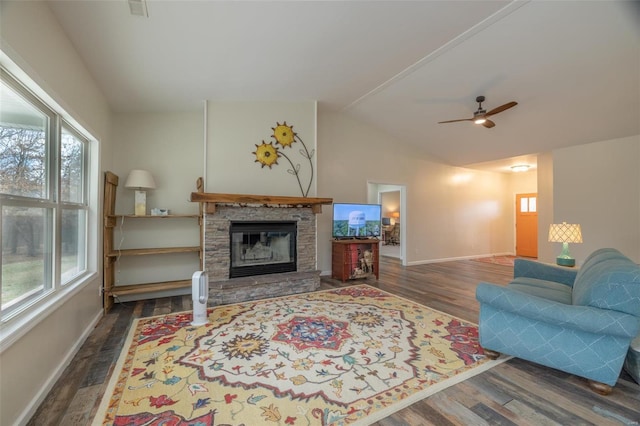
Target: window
[
  {"x": 528, "y": 205},
  {"x": 43, "y": 199}
]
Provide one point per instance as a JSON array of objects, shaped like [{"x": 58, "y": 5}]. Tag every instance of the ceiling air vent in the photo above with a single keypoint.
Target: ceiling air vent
[{"x": 138, "y": 8}]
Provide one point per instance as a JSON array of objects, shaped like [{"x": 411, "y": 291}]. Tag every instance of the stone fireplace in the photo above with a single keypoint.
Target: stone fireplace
[{"x": 263, "y": 234}]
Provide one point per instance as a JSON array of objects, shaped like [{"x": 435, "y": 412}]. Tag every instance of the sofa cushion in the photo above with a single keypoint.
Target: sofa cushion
[
  {"x": 608, "y": 280},
  {"x": 544, "y": 271},
  {"x": 595, "y": 258},
  {"x": 542, "y": 288}
]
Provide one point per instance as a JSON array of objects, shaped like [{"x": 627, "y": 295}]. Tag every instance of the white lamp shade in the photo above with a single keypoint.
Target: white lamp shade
[{"x": 140, "y": 179}]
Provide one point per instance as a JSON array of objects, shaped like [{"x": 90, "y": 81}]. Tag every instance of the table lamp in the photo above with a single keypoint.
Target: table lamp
[
  {"x": 565, "y": 233},
  {"x": 395, "y": 216},
  {"x": 140, "y": 180}
]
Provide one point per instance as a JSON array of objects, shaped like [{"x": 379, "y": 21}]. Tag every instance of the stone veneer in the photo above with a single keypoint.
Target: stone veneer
[{"x": 217, "y": 256}]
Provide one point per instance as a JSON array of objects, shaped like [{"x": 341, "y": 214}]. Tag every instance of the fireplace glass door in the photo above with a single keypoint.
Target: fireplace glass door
[{"x": 259, "y": 248}]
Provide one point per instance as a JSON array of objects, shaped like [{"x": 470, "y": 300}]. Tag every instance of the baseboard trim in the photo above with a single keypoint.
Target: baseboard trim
[
  {"x": 33, "y": 405},
  {"x": 450, "y": 259}
]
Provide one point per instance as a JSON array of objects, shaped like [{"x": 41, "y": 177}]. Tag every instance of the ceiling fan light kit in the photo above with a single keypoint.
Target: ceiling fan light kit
[{"x": 481, "y": 116}]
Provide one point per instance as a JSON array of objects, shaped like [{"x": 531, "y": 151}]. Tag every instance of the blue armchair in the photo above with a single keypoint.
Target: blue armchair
[{"x": 578, "y": 321}]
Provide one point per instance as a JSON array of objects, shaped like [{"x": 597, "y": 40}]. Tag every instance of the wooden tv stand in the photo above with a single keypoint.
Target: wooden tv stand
[{"x": 355, "y": 258}]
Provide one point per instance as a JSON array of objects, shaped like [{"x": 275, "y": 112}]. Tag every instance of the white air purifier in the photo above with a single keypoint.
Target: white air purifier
[{"x": 199, "y": 294}]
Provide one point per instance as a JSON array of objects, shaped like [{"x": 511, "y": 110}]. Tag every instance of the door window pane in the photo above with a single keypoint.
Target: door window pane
[
  {"x": 23, "y": 142},
  {"x": 528, "y": 205},
  {"x": 73, "y": 260},
  {"x": 25, "y": 254},
  {"x": 532, "y": 204}
]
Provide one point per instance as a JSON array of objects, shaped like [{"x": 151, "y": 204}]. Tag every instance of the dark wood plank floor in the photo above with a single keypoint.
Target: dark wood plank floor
[{"x": 513, "y": 393}]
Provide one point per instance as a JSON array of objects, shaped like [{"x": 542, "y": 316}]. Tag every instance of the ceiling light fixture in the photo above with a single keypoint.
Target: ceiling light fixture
[
  {"x": 480, "y": 116},
  {"x": 520, "y": 168}
]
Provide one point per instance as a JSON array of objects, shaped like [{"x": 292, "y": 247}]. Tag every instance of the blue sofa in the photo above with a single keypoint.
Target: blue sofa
[{"x": 580, "y": 321}]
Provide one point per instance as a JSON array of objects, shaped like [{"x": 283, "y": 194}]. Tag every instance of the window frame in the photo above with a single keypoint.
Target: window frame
[
  {"x": 81, "y": 206},
  {"x": 55, "y": 291}
]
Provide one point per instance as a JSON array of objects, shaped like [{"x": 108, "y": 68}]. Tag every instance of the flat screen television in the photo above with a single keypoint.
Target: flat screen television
[{"x": 356, "y": 220}]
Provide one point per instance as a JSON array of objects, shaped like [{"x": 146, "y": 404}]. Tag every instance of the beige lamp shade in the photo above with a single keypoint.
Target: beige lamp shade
[
  {"x": 140, "y": 179},
  {"x": 565, "y": 233},
  {"x": 395, "y": 215}
]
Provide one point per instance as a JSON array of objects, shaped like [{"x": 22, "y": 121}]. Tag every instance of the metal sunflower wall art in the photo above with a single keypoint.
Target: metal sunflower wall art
[{"x": 267, "y": 154}]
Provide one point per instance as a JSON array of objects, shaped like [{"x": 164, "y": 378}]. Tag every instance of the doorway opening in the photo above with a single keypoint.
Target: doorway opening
[
  {"x": 392, "y": 198},
  {"x": 527, "y": 225}
]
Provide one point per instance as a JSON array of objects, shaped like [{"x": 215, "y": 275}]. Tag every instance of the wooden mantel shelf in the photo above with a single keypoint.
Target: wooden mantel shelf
[{"x": 211, "y": 199}]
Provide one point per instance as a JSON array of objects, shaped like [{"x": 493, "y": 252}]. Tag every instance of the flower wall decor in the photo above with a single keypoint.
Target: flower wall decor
[{"x": 267, "y": 154}]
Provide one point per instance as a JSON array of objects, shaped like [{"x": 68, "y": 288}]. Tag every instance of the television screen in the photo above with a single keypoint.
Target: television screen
[
  {"x": 356, "y": 220},
  {"x": 386, "y": 221}
]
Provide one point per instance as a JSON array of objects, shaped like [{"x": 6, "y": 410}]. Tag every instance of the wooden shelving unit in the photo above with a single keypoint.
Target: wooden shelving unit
[{"x": 111, "y": 255}]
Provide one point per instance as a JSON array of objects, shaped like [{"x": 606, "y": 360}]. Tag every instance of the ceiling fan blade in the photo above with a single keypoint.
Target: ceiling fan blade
[
  {"x": 488, "y": 124},
  {"x": 455, "y": 121},
  {"x": 501, "y": 108}
]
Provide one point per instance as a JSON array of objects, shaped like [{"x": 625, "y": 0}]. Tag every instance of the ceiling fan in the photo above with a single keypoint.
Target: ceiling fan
[{"x": 481, "y": 116}]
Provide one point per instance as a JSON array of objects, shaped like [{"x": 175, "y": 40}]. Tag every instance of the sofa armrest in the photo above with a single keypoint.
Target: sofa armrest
[
  {"x": 585, "y": 318},
  {"x": 542, "y": 271}
]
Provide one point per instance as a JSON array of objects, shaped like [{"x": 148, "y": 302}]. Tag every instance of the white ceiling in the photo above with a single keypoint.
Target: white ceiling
[{"x": 572, "y": 66}]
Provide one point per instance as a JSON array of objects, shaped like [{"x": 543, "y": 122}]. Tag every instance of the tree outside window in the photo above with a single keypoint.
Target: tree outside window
[{"x": 43, "y": 198}]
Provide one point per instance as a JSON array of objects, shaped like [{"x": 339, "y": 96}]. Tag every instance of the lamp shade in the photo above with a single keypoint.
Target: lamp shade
[
  {"x": 565, "y": 233},
  {"x": 140, "y": 179},
  {"x": 395, "y": 215}
]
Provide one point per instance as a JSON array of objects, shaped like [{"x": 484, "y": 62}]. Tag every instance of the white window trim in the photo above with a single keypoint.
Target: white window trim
[
  {"x": 19, "y": 323},
  {"x": 34, "y": 313}
]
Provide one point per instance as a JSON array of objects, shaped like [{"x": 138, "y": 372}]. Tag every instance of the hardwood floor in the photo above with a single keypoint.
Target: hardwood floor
[{"x": 513, "y": 393}]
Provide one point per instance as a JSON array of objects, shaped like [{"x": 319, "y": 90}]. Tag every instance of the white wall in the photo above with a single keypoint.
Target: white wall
[
  {"x": 546, "y": 250},
  {"x": 33, "y": 40},
  {"x": 523, "y": 182},
  {"x": 171, "y": 147},
  {"x": 598, "y": 186},
  {"x": 234, "y": 130},
  {"x": 451, "y": 212}
]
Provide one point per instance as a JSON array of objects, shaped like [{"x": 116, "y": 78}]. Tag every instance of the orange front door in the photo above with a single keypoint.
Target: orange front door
[{"x": 527, "y": 225}]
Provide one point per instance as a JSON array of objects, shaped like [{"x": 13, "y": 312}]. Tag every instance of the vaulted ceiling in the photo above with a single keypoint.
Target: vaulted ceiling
[{"x": 572, "y": 66}]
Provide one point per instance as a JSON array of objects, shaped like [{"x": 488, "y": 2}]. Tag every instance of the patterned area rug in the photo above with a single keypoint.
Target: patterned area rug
[{"x": 348, "y": 356}]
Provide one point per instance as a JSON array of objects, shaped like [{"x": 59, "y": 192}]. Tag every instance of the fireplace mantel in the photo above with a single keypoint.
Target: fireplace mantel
[{"x": 212, "y": 199}]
